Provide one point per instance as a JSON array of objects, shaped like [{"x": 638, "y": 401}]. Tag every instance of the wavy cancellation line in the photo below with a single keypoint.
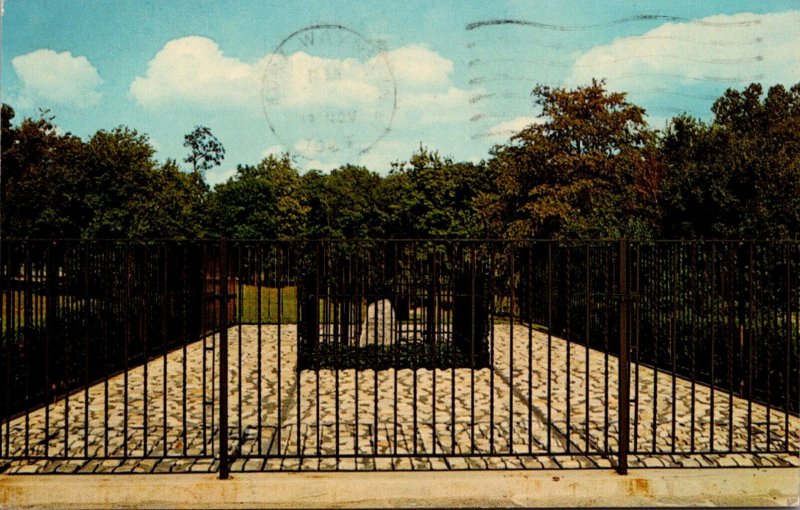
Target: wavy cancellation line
[{"x": 630, "y": 19}]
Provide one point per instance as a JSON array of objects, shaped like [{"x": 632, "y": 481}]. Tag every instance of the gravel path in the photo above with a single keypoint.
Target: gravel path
[{"x": 403, "y": 416}]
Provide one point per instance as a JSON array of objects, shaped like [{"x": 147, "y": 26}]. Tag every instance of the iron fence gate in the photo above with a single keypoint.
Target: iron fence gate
[{"x": 378, "y": 354}]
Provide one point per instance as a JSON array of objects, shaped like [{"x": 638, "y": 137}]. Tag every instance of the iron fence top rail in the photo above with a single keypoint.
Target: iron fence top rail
[{"x": 391, "y": 240}]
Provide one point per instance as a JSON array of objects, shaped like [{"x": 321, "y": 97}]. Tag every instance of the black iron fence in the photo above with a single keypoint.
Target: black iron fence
[{"x": 382, "y": 354}]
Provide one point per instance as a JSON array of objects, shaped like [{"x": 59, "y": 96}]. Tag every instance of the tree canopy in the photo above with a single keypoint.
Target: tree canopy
[
  {"x": 262, "y": 201},
  {"x": 739, "y": 175},
  {"x": 56, "y": 185},
  {"x": 589, "y": 167}
]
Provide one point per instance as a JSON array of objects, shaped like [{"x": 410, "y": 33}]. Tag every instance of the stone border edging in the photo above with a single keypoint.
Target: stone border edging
[{"x": 551, "y": 488}]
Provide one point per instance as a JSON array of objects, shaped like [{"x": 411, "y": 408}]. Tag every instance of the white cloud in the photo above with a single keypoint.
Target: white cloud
[
  {"x": 416, "y": 65},
  {"x": 60, "y": 78},
  {"x": 324, "y": 110},
  {"x": 302, "y": 80},
  {"x": 436, "y": 107},
  {"x": 194, "y": 70},
  {"x": 511, "y": 127},
  {"x": 715, "y": 52}
]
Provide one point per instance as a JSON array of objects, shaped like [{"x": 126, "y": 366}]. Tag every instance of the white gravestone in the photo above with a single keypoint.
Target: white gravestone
[{"x": 379, "y": 324}]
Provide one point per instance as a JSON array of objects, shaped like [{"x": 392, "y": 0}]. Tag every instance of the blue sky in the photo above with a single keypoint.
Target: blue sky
[{"x": 401, "y": 74}]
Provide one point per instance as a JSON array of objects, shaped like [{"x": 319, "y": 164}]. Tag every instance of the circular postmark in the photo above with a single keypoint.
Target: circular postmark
[{"x": 328, "y": 94}]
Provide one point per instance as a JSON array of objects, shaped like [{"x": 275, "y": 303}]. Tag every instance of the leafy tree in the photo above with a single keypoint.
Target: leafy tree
[
  {"x": 739, "y": 175},
  {"x": 345, "y": 204},
  {"x": 590, "y": 168},
  {"x": 431, "y": 196},
  {"x": 58, "y": 186},
  {"x": 206, "y": 151},
  {"x": 118, "y": 178},
  {"x": 178, "y": 208},
  {"x": 41, "y": 195},
  {"x": 263, "y": 201}
]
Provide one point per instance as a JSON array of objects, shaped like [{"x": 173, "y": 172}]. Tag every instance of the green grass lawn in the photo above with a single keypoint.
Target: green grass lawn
[{"x": 269, "y": 304}]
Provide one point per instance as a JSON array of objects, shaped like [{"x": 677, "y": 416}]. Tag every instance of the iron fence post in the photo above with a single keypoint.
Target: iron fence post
[
  {"x": 623, "y": 376},
  {"x": 51, "y": 314},
  {"x": 224, "y": 468}
]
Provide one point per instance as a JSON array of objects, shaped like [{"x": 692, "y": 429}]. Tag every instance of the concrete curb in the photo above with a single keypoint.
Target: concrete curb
[{"x": 743, "y": 487}]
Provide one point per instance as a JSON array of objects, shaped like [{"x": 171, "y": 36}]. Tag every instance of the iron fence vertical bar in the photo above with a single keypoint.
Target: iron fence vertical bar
[
  {"x": 126, "y": 309},
  {"x": 434, "y": 322},
  {"x": 298, "y": 373},
  {"x": 672, "y": 344},
  {"x": 18, "y": 321},
  {"x": 143, "y": 317},
  {"x": 7, "y": 409},
  {"x": 333, "y": 279},
  {"x": 658, "y": 316},
  {"x": 165, "y": 302},
  {"x": 492, "y": 293},
  {"x": 415, "y": 358},
  {"x": 86, "y": 375},
  {"x": 473, "y": 269},
  {"x": 770, "y": 319},
  {"x": 21, "y": 354},
  {"x": 684, "y": 313},
  {"x": 214, "y": 303},
  {"x": 638, "y": 352},
  {"x": 693, "y": 321},
  {"x": 732, "y": 265},
  {"x": 788, "y": 320},
  {"x": 51, "y": 304},
  {"x": 609, "y": 289},
  {"x": 405, "y": 290},
  {"x": 276, "y": 254},
  {"x": 635, "y": 342},
  {"x": 239, "y": 313},
  {"x": 796, "y": 359},
  {"x": 312, "y": 330},
  {"x": 587, "y": 329},
  {"x": 185, "y": 341},
  {"x": 25, "y": 294},
  {"x": 512, "y": 254},
  {"x": 419, "y": 266},
  {"x": 348, "y": 285},
  {"x": 258, "y": 257},
  {"x": 569, "y": 339},
  {"x": 71, "y": 291},
  {"x": 750, "y": 334},
  {"x": 205, "y": 312},
  {"x": 455, "y": 267},
  {"x": 350, "y": 290},
  {"x": 224, "y": 468},
  {"x": 529, "y": 310},
  {"x": 109, "y": 292},
  {"x": 393, "y": 340},
  {"x": 549, "y": 424},
  {"x": 623, "y": 376},
  {"x": 713, "y": 311}
]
